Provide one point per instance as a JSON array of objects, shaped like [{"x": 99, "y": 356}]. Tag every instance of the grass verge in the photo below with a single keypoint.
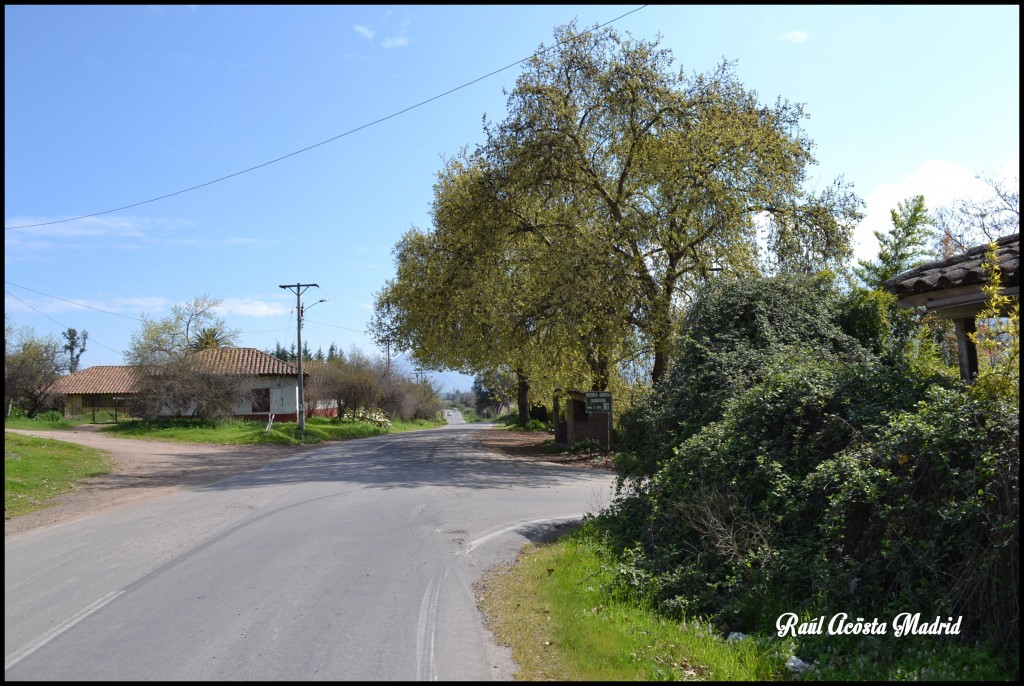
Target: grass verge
[
  {"x": 51, "y": 422},
  {"x": 235, "y": 432},
  {"x": 38, "y": 469},
  {"x": 557, "y": 610}
]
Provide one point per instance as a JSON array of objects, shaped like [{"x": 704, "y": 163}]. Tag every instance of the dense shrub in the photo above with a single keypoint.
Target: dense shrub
[
  {"x": 728, "y": 514},
  {"x": 730, "y": 337},
  {"x": 927, "y": 514},
  {"x": 819, "y": 463}
]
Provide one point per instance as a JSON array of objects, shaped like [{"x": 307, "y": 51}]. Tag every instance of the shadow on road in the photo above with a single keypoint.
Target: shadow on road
[{"x": 447, "y": 458}]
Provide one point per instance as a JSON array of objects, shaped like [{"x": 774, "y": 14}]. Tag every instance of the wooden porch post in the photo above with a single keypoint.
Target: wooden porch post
[{"x": 966, "y": 350}]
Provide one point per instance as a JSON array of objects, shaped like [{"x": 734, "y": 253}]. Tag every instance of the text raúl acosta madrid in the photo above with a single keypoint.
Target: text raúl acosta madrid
[{"x": 903, "y": 624}]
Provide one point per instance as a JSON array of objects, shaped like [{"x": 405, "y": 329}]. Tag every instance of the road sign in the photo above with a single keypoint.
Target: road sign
[{"x": 599, "y": 402}]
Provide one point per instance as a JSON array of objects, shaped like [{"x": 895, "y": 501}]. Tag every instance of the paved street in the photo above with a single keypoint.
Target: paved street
[{"x": 352, "y": 561}]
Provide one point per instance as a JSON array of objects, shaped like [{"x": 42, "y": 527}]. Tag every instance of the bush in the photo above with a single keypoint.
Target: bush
[
  {"x": 728, "y": 517},
  {"x": 731, "y": 336},
  {"x": 927, "y": 514},
  {"x": 835, "y": 472}
]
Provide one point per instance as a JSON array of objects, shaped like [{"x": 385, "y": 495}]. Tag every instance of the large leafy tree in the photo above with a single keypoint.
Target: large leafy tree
[
  {"x": 570, "y": 240},
  {"x": 190, "y": 326},
  {"x": 477, "y": 293},
  {"x": 671, "y": 173}
]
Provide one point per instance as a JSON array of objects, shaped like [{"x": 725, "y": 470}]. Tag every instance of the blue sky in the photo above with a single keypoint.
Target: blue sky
[{"x": 109, "y": 106}]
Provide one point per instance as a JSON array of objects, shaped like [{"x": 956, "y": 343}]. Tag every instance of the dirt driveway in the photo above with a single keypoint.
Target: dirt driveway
[
  {"x": 145, "y": 469},
  {"x": 150, "y": 469}
]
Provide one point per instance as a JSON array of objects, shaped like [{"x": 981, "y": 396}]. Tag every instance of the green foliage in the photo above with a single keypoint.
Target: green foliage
[
  {"x": 998, "y": 339},
  {"x": 905, "y": 243},
  {"x": 32, "y": 365},
  {"x": 927, "y": 513},
  {"x": 809, "y": 455},
  {"x": 532, "y": 425},
  {"x": 732, "y": 334},
  {"x": 900, "y": 337}
]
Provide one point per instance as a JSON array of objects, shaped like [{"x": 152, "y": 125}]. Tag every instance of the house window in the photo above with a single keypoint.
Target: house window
[{"x": 261, "y": 400}]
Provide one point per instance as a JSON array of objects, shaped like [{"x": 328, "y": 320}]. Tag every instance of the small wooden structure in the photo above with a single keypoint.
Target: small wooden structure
[
  {"x": 952, "y": 289},
  {"x": 577, "y": 424}
]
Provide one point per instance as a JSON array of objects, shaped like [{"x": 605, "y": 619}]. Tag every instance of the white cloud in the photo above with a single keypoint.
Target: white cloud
[
  {"x": 395, "y": 42},
  {"x": 365, "y": 31},
  {"x": 794, "y": 36},
  {"x": 253, "y": 308},
  {"x": 147, "y": 304},
  {"x": 940, "y": 182}
]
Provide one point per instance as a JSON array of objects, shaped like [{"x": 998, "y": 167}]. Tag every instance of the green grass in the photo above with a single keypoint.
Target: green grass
[
  {"x": 237, "y": 432},
  {"x": 555, "y": 609},
  {"x": 38, "y": 469},
  {"x": 47, "y": 423}
]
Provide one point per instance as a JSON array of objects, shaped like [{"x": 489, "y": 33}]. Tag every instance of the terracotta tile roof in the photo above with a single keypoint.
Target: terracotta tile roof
[
  {"x": 112, "y": 380},
  {"x": 248, "y": 361},
  {"x": 98, "y": 380},
  {"x": 960, "y": 270}
]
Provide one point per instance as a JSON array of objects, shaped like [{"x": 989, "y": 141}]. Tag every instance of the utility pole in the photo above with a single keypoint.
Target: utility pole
[{"x": 299, "y": 289}]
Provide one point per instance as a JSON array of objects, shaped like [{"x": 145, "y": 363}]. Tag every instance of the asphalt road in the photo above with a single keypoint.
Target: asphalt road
[{"x": 351, "y": 562}]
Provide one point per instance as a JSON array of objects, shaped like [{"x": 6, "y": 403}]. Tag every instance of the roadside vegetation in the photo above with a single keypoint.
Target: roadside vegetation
[
  {"x": 563, "y": 611},
  {"x": 236, "y": 432},
  {"x": 38, "y": 469},
  {"x": 811, "y": 453}
]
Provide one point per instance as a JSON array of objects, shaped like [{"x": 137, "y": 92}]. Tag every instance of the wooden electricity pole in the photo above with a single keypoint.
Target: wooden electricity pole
[{"x": 299, "y": 289}]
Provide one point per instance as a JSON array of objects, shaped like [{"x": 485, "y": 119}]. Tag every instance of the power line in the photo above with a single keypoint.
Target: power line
[
  {"x": 72, "y": 302},
  {"x": 324, "y": 142},
  {"x": 64, "y": 326},
  {"x": 333, "y": 326}
]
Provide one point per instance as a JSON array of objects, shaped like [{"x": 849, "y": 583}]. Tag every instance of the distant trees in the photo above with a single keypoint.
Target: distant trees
[
  {"x": 32, "y": 365},
  {"x": 74, "y": 346},
  {"x": 570, "y": 241},
  {"x": 355, "y": 382},
  {"x": 969, "y": 223}
]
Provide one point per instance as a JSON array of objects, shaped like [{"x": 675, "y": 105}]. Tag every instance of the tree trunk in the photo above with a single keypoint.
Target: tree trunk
[
  {"x": 660, "y": 366},
  {"x": 523, "y": 397}
]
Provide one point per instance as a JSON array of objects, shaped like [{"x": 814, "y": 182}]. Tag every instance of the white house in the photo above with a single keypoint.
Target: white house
[{"x": 273, "y": 385}]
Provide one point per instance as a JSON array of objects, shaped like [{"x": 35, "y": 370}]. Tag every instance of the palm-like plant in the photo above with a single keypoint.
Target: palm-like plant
[{"x": 211, "y": 337}]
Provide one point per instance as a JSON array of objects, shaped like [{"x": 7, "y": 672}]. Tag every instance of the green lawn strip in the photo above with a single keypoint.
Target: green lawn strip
[
  {"x": 39, "y": 469},
  {"x": 238, "y": 432},
  {"x": 39, "y": 424},
  {"x": 553, "y": 608}
]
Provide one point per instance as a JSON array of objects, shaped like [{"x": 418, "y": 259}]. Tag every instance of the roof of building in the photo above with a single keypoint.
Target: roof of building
[
  {"x": 111, "y": 380},
  {"x": 960, "y": 270},
  {"x": 248, "y": 361},
  {"x": 99, "y": 380}
]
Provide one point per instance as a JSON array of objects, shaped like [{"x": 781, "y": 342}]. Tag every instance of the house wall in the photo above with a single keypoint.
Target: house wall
[{"x": 284, "y": 398}]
